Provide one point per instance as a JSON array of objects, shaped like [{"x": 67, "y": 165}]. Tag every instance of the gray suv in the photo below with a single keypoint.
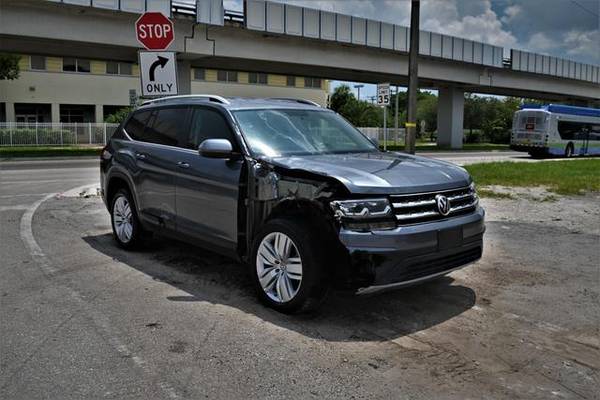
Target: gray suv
[{"x": 294, "y": 191}]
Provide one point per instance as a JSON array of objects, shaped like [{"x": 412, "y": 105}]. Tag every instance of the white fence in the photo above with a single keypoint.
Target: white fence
[
  {"x": 89, "y": 133},
  {"x": 55, "y": 134},
  {"x": 393, "y": 135}
]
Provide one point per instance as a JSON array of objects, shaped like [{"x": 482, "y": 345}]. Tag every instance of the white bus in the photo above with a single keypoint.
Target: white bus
[{"x": 556, "y": 130}]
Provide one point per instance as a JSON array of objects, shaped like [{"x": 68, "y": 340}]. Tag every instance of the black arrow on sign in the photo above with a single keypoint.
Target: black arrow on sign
[{"x": 162, "y": 61}]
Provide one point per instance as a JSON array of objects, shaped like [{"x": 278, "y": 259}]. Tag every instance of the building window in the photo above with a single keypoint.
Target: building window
[
  {"x": 291, "y": 81},
  {"x": 227, "y": 76},
  {"x": 125, "y": 68},
  {"x": 118, "y": 68},
  {"x": 312, "y": 83},
  {"x": 199, "y": 74},
  {"x": 38, "y": 63},
  {"x": 71, "y": 64},
  {"x": 112, "y": 67},
  {"x": 257, "y": 78}
]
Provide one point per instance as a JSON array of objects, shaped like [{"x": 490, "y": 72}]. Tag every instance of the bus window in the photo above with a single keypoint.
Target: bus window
[{"x": 570, "y": 130}]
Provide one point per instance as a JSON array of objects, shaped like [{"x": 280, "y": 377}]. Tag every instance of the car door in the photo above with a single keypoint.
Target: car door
[
  {"x": 207, "y": 189},
  {"x": 154, "y": 171}
]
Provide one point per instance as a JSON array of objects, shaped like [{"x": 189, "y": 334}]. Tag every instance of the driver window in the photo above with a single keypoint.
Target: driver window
[{"x": 208, "y": 124}]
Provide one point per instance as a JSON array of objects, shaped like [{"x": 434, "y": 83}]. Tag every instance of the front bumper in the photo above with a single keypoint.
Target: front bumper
[{"x": 412, "y": 254}]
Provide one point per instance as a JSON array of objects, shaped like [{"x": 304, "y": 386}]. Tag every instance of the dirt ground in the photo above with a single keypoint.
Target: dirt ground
[{"x": 174, "y": 321}]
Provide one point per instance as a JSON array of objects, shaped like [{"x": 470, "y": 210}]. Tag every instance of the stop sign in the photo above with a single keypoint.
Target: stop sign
[{"x": 154, "y": 31}]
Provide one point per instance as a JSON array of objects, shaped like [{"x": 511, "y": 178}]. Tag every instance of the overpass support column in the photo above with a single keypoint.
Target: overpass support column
[
  {"x": 451, "y": 108},
  {"x": 184, "y": 76}
]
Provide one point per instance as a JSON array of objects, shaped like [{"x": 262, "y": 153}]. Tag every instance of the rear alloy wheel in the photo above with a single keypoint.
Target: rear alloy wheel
[
  {"x": 125, "y": 224},
  {"x": 288, "y": 266}
]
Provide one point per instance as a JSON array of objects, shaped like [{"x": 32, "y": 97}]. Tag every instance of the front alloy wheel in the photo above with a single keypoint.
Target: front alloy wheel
[
  {"x": 279, "y": 267},
  {"x": 288, "y": 265}
]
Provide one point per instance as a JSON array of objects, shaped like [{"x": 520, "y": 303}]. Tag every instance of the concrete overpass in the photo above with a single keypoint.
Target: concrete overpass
[{"x": 262, "y": 40}]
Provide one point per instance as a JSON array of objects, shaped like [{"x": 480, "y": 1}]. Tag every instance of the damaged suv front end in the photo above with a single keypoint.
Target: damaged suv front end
[{"x": 386, "y": 219}]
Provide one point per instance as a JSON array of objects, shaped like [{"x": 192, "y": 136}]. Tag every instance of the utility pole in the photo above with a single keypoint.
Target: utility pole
[
  {"x": 413, "y": 78},
  {"x": 358, "y": 87}
]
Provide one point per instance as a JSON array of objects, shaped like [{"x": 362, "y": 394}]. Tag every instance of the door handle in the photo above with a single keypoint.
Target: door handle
[
  {"x": 182, "y": 164},
  {"x": 140, "y": 156}
]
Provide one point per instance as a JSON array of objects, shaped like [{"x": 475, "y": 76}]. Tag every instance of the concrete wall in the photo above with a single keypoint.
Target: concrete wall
[{"x": 98, "y": 89}]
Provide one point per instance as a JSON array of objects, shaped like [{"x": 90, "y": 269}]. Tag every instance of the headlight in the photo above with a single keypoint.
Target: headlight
[
  {"x": 472, "y": 188},
  {"x": 365, "y": 215},
  {"x": 362, "y": 208}
]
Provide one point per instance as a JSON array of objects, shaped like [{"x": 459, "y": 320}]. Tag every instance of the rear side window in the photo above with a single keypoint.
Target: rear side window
[
  {"x": 165, "y": 126},
  {"x": 136, "y": 124},
  {"x": 208, "y": 124}
]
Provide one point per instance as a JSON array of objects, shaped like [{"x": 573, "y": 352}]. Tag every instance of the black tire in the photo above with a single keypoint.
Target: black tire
[
  {"x": 137, "y": 232},
  {"x": 314, "y": 285},
  {"x": 569, "y": 150}
]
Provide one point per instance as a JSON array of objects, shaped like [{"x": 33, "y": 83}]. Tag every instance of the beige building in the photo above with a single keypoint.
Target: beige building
[{"x": 68, "y": 89}]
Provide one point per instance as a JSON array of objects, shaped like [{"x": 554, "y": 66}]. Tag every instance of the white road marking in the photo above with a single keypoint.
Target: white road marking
[
  {"x": 17, "y": 207},
  {"x": 99, "y": 319}
]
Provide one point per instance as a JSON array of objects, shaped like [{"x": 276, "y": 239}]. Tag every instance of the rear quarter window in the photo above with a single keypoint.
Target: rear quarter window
[{"x": 136, "y": 124}]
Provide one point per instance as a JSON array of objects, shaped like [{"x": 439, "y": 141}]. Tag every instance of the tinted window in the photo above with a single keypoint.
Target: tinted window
[
  {"x": 112, "y": 67},
  {"x": 570, "y": 130},
  {"x": 291, "y": 81},
  {"x": 38, "y": 62},
  {"x": 69, "y": 64},
  {"x": 257, "y": 78},
  {"x": 136, "y": 124},
  {"x": 208, "y": 124},
  {"x": 199, "y": 74},
  {"x": 165, "y": 126},
  {"x": 83, "y": 65},
  {"x": 125, "y": 68}
]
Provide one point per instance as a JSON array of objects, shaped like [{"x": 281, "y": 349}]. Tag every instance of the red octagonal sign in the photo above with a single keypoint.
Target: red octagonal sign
[{"x": 154, "y": 31}]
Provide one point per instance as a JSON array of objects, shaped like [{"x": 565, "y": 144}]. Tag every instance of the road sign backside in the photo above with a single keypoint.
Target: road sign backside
[{"x": 158, "y": 73}]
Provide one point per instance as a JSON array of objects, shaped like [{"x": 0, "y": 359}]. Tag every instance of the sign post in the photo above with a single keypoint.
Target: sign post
[
  {"x": 158, "y": 69},
  {"x": 383, "y": 100}
]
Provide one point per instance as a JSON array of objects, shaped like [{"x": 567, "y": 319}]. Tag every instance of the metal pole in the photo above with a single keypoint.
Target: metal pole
[
  {"x": 104, "y": 133},
  {"x": 396, "y": 118},
  {"x": 90, "y": 132},
  {"x": 60, "y": 127},
  {"x": 384, "y": 128},
  {"x": 36, "y": 133},
  {"x": 413, "y": 78}
]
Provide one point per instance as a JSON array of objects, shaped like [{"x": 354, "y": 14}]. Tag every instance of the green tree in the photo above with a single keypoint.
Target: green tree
[
  {"x": 341, "y": 96},
  {"x": 9, "y": 66},
  {"x": 119, "y": 116}
]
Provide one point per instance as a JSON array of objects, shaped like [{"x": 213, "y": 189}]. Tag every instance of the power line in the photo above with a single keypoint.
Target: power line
[{"x": 585, "y": 8}]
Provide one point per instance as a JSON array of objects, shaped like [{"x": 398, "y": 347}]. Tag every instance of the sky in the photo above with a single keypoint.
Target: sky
[{"x": 562, "y": 28}]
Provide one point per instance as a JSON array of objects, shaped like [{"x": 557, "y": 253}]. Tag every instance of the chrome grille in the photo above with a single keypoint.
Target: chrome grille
[{"x": 422, "y": 207}]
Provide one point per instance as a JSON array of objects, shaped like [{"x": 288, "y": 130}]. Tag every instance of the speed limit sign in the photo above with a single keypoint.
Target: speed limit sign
[{"x": 383, "y": 94}]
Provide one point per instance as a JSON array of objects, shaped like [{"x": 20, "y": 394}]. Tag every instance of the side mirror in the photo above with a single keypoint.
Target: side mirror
[{"x": 216, "y": 148}]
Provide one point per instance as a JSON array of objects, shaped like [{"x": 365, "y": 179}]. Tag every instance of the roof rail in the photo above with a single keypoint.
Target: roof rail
[
  {"x": 209, "y": 97},
  {"x": 303, "y": 101}
]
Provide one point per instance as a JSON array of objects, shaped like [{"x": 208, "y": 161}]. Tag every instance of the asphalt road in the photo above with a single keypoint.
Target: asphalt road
[{"x": 82, "y": 319}]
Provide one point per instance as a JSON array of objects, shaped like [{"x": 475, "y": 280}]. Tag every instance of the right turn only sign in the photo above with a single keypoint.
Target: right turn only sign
[{"x": 158, "y": 71}]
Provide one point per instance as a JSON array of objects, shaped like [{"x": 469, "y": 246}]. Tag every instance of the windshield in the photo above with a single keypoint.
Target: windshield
[{"x": 286, "y": 132}]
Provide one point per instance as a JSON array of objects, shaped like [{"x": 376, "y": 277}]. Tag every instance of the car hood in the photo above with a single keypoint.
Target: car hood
[{"x": 380, "y": 173}]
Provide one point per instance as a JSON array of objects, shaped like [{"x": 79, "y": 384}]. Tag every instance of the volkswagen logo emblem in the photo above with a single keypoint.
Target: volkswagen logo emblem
[{"x": 443, "y": 204}]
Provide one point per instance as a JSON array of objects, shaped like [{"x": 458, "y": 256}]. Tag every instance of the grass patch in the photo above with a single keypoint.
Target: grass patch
[
  {"x": 561, "y": 177},
  {"x": 48, "y": 151},
  {"x": 466, "y": 147}
]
